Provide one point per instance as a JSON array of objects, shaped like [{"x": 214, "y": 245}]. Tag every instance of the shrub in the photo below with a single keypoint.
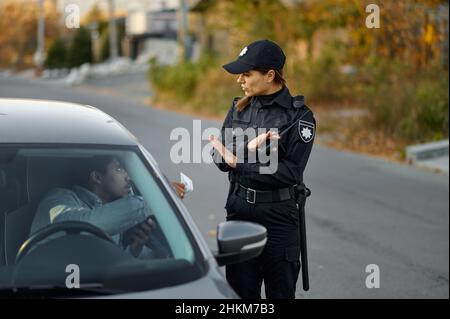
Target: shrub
[
  {"x": 104, "y": 40},
  {"x": 430, "y": 117},
  {"x": 321, "y": 80},
  {"x": 179, "y": 80},
  {"x": 80, "y": 50},
  {"x": 57, "y": 55},
  {"x": 407, "y": 105},
  {"x": 215, "y": 92}
]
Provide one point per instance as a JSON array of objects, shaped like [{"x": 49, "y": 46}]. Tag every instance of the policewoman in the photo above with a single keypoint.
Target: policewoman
[{"x": 267, "y": 199}]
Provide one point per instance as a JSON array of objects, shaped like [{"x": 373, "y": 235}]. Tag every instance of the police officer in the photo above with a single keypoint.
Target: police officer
[{"x": 265, "y": 198}]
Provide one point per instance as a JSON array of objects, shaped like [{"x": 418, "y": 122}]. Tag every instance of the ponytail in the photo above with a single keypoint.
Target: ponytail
[{"x": 242, "y": 103}]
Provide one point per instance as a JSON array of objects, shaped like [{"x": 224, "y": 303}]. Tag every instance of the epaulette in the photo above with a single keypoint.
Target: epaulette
[{"x": 299, "y": 101}]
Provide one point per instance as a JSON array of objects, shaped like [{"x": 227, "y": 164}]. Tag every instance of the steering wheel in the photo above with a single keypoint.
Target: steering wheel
[{"x": 69, "y": 228}]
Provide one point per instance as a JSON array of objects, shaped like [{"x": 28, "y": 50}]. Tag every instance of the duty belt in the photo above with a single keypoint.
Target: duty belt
[{"x": 253, "y": 196}]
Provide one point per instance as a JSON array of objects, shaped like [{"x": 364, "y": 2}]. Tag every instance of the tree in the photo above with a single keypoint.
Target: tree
[
  {"x": 409, "y": 32},
  {"x": 57, "y": 55},
  {"x": 94, "y": 15},
  {"x": 104, "y": 40},
  {"x": 80, "y": 49},
  {"x": 18, "y": 20}
]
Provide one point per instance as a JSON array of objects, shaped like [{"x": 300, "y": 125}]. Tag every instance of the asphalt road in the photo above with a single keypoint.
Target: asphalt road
[{"x": 362, "y": 210}]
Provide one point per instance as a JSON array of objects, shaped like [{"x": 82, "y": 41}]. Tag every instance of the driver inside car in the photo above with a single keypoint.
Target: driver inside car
[{"x": 104, "y": 199}]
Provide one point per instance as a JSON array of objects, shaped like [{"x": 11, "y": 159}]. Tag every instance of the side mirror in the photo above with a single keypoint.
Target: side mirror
[{"x": 239, "y": 241}]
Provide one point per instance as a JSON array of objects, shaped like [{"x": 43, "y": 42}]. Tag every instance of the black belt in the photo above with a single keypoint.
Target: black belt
[{"x": 258, "y": 196}]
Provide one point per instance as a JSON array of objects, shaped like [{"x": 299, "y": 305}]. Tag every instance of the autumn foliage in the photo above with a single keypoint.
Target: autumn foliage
[
  {"x": 397, "y": 74},
  {"x": 18, "y": 25}
]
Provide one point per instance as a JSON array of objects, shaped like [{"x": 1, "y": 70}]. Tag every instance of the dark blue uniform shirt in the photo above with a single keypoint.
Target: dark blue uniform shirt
[{"x": 279, "y": 111}]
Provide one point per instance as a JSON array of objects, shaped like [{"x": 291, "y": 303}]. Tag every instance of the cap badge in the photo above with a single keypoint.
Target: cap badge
[{"x": 244, "y": 51}]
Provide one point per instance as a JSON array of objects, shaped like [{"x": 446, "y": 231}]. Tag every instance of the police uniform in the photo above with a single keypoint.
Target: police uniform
[{"x": 268, "y": 199}]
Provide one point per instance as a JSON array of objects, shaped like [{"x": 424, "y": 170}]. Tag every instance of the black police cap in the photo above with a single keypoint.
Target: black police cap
[{"x": 262, "y": 54}]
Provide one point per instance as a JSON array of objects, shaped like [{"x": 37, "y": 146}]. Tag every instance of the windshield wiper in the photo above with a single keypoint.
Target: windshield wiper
[{"x": 58, "y": 291}]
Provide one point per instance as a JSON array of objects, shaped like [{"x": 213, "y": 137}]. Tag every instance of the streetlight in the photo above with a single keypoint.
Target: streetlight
[
  {"x": 112, "y": 32},
  {"x": 183, "y": 33},
  {"x": 39, "y": 54}
]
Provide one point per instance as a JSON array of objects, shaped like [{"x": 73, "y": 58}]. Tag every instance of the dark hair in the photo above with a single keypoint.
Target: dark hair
[
  {"x": 242, "y": 103},
  {"x": 97, "y": 163}
]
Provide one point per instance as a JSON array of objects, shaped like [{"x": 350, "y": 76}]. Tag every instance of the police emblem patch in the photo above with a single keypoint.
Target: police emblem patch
[
  {"x": 306, "y": 131},
  {"x": 243, "y": 52},
  {"x": 55, "y": 211}
]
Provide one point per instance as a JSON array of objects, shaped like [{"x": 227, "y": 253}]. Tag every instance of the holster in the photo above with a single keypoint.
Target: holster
[{"x": 301, "y": 193}]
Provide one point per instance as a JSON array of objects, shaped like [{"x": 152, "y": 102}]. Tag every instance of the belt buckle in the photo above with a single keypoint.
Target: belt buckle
[{"x": 248, "y": 190}]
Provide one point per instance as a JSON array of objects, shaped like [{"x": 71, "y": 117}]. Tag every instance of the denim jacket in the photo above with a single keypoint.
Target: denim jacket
[{"x": 80, "y": 204}]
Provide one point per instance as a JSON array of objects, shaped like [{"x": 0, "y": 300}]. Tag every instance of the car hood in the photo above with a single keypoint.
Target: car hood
[{"x": 211, "y": 286}]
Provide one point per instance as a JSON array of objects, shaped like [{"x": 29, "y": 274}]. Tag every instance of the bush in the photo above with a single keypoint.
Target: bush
[
  {"x": 321, "y": 80},
  {"x": 104, "y": 40},
  {"x": 430, "y": 111},
  {"x": 180, "y": 80},
  {"x": 215, "y": 92},
  {"x": 80, "y": 49},
  {"x": 57, "y": 55},
  {"x": 407, "y": 105}
]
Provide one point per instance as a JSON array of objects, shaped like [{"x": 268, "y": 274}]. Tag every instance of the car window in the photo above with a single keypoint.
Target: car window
[{"x": 43, "y": 186}]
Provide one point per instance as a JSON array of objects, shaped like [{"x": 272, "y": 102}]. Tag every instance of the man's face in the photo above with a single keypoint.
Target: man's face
[{"x": 115, "y": 183}]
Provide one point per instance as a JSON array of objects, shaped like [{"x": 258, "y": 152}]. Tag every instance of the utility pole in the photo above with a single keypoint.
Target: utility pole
[
  {"x": 39, "y": 54},
  {"x": 112, "y": 32},
  {"x": 184, "y": 38}
]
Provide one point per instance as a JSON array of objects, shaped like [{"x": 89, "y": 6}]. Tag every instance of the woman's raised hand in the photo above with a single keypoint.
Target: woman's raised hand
[
  {"x": 254, "y": 144},
  {"x": 228, "y": 156}
]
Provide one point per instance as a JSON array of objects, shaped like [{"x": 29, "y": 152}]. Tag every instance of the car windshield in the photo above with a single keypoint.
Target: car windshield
[{"x": 73, "y": 214}]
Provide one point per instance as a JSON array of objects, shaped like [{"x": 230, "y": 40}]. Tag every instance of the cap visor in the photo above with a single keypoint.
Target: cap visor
[{"x": 237, "y": 67}]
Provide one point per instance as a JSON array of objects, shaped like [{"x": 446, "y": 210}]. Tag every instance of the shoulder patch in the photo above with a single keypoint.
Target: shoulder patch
[
  {"x": 55, "y": 211},
  {"x": 306, "y": 130}
]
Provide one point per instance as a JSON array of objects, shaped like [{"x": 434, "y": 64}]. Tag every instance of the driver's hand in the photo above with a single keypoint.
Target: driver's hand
[
  {"x": 139, "y": 235},
  {"x": 179, "y": 187}
]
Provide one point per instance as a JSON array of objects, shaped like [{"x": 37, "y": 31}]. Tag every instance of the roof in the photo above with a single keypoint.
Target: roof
[{"x": 45, "y": 121}]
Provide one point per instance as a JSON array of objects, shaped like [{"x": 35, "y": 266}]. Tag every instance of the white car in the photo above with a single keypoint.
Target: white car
[{"x": 42, "y": 143}]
